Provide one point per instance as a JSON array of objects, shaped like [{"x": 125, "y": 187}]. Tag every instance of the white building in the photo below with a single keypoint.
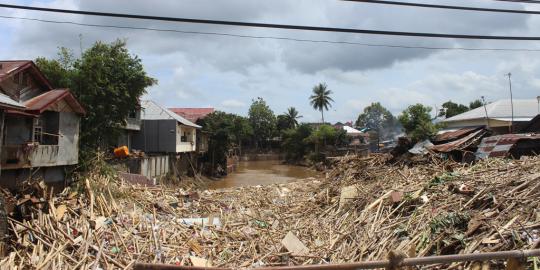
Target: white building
[{"x": 497, "y": 115}]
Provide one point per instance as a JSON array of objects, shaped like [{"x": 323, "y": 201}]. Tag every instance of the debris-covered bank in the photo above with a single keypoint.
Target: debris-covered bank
[{"x": 362, "y": 209}]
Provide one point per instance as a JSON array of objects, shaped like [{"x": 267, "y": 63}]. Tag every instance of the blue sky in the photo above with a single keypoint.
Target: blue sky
[{"x": 227, "y": 73}]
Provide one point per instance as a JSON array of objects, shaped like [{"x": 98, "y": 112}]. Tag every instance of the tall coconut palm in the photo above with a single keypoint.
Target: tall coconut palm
[
  {"x": 321, "y": 100},
  {"x": 292, "y": 115}
]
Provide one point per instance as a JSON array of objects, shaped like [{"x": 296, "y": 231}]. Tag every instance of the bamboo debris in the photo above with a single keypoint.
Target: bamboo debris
[{"x": 112, "y": 224}]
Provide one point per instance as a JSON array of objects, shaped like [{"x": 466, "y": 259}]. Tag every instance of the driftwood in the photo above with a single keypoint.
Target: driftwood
[{"x": 411, "y": 207}]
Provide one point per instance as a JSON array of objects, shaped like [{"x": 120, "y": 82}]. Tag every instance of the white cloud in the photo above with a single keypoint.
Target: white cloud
[{"x": 232, "y": 104}]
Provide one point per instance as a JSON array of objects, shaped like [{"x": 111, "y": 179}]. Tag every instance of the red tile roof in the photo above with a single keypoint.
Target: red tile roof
[
  {"x": 40, "y": 103},
  {"x": 193, "y": 114},
  {"x": 9, "y": 67}
]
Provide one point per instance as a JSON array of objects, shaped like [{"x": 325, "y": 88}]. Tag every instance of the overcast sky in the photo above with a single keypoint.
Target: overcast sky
[{"x": 228, "y": 72}]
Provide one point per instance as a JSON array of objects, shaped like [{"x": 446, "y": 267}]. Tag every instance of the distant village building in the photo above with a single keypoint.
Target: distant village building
[
  {"x": 496, "y": 116},
  {"x": 40, "y": 128}
]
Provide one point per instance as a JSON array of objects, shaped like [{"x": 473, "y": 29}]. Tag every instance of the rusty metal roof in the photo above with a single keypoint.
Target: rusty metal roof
[
  {"x": 500, "y": 145},
  {"x": 456, "y": 134},
  {"x": 7, "y": 68},
  {"x": 193, "y": 114},
  {"x": 40, "y": 103},
  {"x": 461, "y": 143}
]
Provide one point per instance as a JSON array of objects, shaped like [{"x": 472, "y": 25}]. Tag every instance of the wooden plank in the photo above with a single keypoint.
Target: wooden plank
[{"x": 294, "y": 245}]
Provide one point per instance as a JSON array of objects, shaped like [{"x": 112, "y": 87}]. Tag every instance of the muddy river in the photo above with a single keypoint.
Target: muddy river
[{"x": 251, "y": 173}]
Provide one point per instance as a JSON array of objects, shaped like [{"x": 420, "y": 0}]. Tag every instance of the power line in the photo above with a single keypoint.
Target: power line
[
  {"x": 520, "y": 1},
  {"x": 275, "y": 26},
  {"x": 273, "y": 37},
  {"x": 409, "y": 4}
]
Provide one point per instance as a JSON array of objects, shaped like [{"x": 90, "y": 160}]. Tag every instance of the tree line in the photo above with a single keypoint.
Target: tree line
[{"x": 109, "y": 81}]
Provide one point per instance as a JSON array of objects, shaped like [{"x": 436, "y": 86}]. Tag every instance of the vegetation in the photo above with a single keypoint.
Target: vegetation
[
  {"x": 226, "y": 131},
  {"x": 475, "y": 104},
  {"x": 107, "y": 80},
  {"x": 450, "y": 108},
  {"x": 416, "y": 122},
  {"x": 321, "y": 100},
  {"x": 262, "y": 120},
  {"x": 296, "y": 145},
  {"x": 377, "y": 118}
]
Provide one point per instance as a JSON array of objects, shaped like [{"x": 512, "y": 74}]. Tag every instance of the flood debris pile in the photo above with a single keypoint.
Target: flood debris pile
[{"x": 360, "y": 211}]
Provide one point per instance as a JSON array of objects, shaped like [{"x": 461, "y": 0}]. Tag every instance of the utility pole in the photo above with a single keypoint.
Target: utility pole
[
  {"x": 511, "y": 102},
  {"x": 485, "y": 110},
  {"x": 538, "y": 99}
]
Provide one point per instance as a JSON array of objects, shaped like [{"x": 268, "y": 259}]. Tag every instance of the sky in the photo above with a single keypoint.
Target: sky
[{"x": 224, "y": 72}]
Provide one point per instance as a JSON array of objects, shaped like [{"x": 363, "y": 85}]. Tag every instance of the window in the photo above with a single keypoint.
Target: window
[
  {"x": 132, "y": 114},
  {"x": 37, "y": 130},
  {"x": 184, "y": 137}
]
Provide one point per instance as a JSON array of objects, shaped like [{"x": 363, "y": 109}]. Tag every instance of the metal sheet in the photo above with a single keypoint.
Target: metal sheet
[
  {"x": 460, "y": 143},
  {"x": 456, "y": 134},
  {"x": 500, "y": 145}
]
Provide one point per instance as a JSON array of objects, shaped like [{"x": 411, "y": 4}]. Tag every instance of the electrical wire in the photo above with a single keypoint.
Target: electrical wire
[
  {"x": 273, "y": 37},
  {"x": 409, "y": 4},
  {"x": 520, "y": 1},
  {"x": 274, "y": 26}
]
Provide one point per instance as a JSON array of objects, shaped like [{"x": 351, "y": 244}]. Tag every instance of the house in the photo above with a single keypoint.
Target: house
[
  {"x": 163, "y": 131},
  {"x": 133, "y": 126},
  {"x": 40, "y": 137},
  {"x": 496, "y": 116},
  {"x": 194, "y": 115}
]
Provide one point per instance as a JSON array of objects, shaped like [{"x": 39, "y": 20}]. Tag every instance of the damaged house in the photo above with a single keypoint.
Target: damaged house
[
  {"x": 168, "y": 141},
  {"x": 40, "y": 136},
  {"x": 487, "y": 131}
]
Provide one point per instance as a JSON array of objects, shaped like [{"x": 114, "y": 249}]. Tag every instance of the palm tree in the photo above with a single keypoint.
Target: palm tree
[
  {"x": 321, "y": 100},
  {"x": 291, "y": 115}
]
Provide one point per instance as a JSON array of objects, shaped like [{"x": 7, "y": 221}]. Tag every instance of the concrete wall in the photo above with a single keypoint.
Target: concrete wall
[
  {"x": 69, "y": 141},
  {"x": 17, "y": 153},
  {"x": 150, "y": 166}
]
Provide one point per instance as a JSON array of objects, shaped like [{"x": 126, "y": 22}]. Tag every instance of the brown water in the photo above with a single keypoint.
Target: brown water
[{"x": 252, "y": 173}]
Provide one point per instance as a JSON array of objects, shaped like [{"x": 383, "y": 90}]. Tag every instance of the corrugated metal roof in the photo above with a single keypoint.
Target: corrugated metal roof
[
  {"x": 500, "y": 145},
  {"x": 40, "y": 103},
  {"x": 524, "y": 109},
  {"x": 193, "y": 114},
  {"x": 459, "y": 144},
  {"x": 455, "y": 134},
  {"x": 7, "y": 102},
  {"x": 152, "y": 111},
  {"x": 9, "y": 67}
]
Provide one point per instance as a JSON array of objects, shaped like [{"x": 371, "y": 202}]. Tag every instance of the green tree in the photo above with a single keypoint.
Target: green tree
[
  {"x": 377, "y": 118},
  {"x": 450, "y": 109},
  {"x": 107, "y": 80},
  {"x": 320, "y": 99},
  {"x": 292, "y": 117},
  {"x": 475, "y": 104},
  {"x": 295, "y": 143},
  {"x": 60, "y": 72},
  {"x": 226, "y": 131},
  {"x": 416, "y": 122},
  {"x": 262, "y": 120}
]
